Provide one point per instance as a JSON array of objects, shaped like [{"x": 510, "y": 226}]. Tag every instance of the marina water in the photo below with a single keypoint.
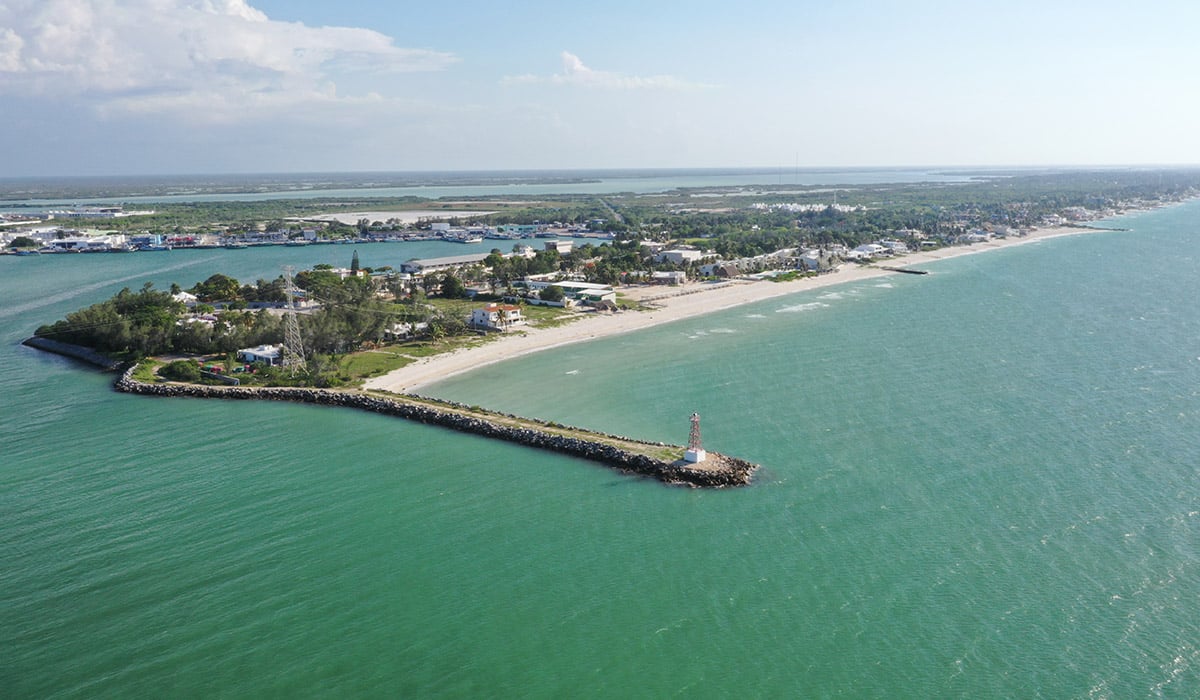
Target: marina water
[{"x": 981, "y": 482}]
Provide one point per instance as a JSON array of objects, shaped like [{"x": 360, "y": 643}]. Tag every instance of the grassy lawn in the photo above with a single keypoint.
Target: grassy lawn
[
  {"x": 548, "y": 316},
  {"x": 372, "y": 363},
  {"x": 147, "y": 371},
  {"x": 364, "y": 364}
]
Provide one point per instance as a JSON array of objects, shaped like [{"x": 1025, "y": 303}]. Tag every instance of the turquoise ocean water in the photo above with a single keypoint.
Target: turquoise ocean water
[{"x": 982, "y": 482}]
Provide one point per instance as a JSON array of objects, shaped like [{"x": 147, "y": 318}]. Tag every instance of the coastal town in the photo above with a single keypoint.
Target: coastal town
[{"x": 526, "y": 281}]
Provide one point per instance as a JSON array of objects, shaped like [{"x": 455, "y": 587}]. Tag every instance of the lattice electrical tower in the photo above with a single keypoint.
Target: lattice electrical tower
[{"x": 293, "y": 348}]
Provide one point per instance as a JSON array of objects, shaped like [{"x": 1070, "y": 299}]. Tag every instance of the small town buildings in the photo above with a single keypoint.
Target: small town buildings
[
  {"x": 498, "y": 317},
  {"x": 270, "y": 354},
  {"x": 561, "y": 247},
  {"x": 87, "y": 244},
  {"x": 520, "y": 230}
]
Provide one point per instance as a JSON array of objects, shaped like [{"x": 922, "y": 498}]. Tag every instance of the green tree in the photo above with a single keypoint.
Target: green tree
[
  {"x": 453, "y": 287},
  {"x": 23, "y": 242},
  {"x": 218, "y": 287},
  {"x": 552, "y": 293},
  {"x": 181, "y": 371}
]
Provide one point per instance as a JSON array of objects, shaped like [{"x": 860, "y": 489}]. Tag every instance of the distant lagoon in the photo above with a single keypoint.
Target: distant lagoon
[{"x": 439, "y": 185}]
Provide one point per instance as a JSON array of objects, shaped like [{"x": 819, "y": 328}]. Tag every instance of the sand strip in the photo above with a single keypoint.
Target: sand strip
[{"x": 684, "y": 301}]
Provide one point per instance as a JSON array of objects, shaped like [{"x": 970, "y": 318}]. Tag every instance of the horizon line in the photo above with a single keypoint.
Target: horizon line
[{"x": 631, "y": 169}]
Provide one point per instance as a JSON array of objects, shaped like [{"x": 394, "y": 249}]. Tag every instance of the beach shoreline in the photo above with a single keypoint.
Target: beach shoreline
[{"x": 673, "y": 304}]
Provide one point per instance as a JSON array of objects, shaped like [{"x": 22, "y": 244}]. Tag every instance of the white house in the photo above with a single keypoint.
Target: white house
[
  {"x": 577, "y": 291},
  {"x": 186, "y": 298},
  {"x": 497, "y": 316},
  {"x": 404, "y": 331},
  {"x": 811, "y": 260},
  {"x": 270, "y": 354},
  {"x": 679, "y": 256},
  {"x": 671, "y": 278},
  {"x": 867, "y": 250}
]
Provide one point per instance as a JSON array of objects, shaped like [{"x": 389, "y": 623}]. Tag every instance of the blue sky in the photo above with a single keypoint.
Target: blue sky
[{"x": 100, "y": 87}]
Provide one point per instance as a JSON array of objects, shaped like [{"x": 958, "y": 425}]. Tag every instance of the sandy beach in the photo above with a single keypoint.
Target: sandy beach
[{"x": 671, "y": 304}]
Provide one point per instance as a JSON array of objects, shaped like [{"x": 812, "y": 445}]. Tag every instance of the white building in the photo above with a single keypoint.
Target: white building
[
  {"x": 866, "y": 251},
  {"x": 270, "y": 354},
  {"x": 497, "y": 317},
  {"x": 405, "y": 331},
  {"x": 577, "y": 291},
  {"x": 811, "y": 260},
  {"x": 453, "y": 262},
  {"x": 679, "y": 256},
  {"x": 87, "y": 243},
  {"x": 186, "y": 298},
  {"x": 671, "y": 278}
]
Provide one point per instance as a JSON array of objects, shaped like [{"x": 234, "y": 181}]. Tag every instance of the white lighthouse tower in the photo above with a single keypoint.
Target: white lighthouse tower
[{"x": 695, "y": 452}]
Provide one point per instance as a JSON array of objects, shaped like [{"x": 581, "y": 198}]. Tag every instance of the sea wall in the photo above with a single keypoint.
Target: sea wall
[{"x": 719, "y": 471}]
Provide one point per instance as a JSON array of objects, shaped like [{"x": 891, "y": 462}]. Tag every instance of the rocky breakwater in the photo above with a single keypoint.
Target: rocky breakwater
[
  {"x": 77, "y": 352},
  {"x": 717, "y": 471}
]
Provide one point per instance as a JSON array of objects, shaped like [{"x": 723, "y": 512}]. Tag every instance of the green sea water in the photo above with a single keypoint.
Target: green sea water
[{"x": 982, "y": 482}]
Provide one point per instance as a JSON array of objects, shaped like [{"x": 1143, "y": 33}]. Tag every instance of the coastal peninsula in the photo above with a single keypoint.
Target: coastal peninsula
[{"x": 370, "y": 337}]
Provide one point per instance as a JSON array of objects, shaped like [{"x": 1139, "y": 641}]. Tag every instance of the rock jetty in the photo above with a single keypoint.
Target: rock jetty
[
  {"x": 623, "y": 453},
  {"x": 77, "y": 352}
]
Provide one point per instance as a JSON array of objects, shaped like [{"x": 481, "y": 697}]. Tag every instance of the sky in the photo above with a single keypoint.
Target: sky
[{"x": 129, "y": 87}]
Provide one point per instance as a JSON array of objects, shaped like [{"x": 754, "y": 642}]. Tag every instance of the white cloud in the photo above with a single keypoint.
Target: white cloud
[
  {"x": 163, "y": 55},
  {"x": 574, "y": 72}
]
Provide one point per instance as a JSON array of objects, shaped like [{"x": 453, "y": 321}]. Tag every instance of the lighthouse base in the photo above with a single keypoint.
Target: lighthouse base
[{"x": 694, "y": 456}]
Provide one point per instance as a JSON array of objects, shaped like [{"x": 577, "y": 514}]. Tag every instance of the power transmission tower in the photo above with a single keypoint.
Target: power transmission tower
[{"x": 293, "y": 348}]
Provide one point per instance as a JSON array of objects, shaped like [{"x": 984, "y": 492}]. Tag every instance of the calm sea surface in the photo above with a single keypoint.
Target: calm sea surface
[{"x": 983, "y": 482}]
